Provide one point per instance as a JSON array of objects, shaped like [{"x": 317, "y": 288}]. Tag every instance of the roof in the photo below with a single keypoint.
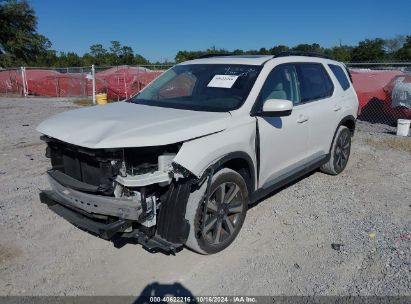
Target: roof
[
  {"x": 253, "y": 59},
  {"x": 232, "y": 59}
]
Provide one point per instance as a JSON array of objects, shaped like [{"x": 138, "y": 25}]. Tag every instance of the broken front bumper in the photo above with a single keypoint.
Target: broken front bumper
[
  {"x": 90, "y": 203},
  {"x": 105, "y": 231},
  {"x": 86, "y": 210}
]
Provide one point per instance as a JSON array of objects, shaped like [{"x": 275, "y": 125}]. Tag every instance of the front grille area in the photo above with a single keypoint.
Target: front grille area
[{"x": 90, "y": 166}]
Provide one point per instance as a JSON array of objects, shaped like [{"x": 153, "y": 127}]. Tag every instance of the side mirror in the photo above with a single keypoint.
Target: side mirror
[{"x": 277, "y": 107}]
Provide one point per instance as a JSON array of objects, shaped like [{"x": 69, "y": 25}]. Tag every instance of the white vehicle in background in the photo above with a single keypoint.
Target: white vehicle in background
[{"x": 179, "y": 163}]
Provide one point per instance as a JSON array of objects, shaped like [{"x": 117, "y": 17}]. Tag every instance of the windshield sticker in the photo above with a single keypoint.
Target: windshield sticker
[
  {"x": 239, "y": 72},
  {"x": 222, "y": 81}
]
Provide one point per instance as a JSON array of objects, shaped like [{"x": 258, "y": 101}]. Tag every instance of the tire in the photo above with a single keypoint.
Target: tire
[
  {"x": 339, "y": 153},
  {"x": 214, "y": 228}
]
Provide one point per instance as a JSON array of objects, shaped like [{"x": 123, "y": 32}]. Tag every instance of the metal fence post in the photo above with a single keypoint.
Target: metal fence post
[
  {"x": 24, "y": 81},
  {"x": 93, "y": 74}
]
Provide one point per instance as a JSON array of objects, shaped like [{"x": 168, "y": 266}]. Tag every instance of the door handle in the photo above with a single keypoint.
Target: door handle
[
  {"x": 337, "y": 107},
  {"x": 302, "y": 119}
]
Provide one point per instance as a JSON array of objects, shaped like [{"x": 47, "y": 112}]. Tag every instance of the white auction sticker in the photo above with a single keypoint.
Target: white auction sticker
[{"x": 222, "y": 81}]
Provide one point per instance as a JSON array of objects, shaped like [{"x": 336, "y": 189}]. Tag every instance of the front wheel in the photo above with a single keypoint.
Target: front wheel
[
  {"x": 340, "y": 152},
  {"x": 214, "y": 225}
]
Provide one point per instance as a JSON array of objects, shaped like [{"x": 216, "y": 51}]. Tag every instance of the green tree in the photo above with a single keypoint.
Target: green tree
[
  {"x": 99, "y": 53},
  {"x": 238, "y": 52},
  {"x": 252, "y": 52},
  {"x": 87, "y": 59},
  {"x": 264, "y": 51},
  {"x": 140, "y": 60},
  {"x": 404, "y": 53},
  {"x": 278, "y": 49},
  {"x": 73, "y": 60},
  {"x": 126, "y": 55},
  {"x": 369, "y": 50},
  {"x": 392, "y": 45},
  {"x": 189, "y": 55},
  {"x": 49, "y": 58},
  {"x": 115, "y": 53},
  {"x": 341, "y": 53},
  {"x": 315, "y": 48},
  {"x": 19, "y": 41}
]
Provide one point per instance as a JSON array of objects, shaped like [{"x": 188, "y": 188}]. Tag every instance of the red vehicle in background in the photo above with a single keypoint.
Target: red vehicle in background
[{"x": 382, "y": 94}]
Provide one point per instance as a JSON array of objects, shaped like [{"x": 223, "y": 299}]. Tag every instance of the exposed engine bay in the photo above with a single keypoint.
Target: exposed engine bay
[{"x": 133, "y": 186}]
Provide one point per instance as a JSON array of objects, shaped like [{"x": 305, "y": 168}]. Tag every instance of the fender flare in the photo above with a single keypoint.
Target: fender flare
[
  {"x": 345, "y": 119},
  {"x": 232, "y": 156}
]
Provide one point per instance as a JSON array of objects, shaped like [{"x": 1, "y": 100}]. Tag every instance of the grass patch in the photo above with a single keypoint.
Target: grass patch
[
  {"x": 7, "y": 107},
  {"x": 83, "y": 102},
  {"x": 403, "y": 144}
]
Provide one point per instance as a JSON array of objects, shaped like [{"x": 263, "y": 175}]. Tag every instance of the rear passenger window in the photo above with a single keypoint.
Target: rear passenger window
[
  {"x": 314, "y": 82},
  {"x": 340, "y": 75}
]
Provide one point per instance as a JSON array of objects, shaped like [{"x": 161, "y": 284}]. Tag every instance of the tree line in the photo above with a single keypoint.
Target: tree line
[
  {"x": 22, "y": 45},
  {"x": 368, "y": 50}
]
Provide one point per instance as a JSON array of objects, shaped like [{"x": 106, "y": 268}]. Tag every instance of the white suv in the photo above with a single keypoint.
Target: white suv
[{"x": 179, "y": 163}]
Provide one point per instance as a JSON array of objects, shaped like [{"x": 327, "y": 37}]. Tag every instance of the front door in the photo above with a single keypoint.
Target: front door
[{"x": 283, "y": 140}]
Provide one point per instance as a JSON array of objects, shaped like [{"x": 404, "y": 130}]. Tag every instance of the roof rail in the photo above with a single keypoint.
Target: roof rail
[
  {"x": 213, "y": 55},
  {"x": 298, "y": 53}
]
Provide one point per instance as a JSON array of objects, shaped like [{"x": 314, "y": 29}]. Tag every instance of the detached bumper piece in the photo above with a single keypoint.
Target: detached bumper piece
[
  {"x": 84, "y": 221},
  {"x": 103, "y": 230}
]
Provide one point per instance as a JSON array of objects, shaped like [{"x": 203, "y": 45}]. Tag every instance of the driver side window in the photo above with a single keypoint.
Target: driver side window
[{"x": 282, "y": 83}]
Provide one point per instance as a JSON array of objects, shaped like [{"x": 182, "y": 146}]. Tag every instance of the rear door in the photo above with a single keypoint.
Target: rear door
[{"x": 321, "y": 107}]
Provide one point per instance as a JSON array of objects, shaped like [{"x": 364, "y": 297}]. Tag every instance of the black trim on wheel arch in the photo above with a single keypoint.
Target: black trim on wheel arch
[
  {"x": 345, "y": 119},
  {"x": 171, "y": 223},
  {"x": 232, "y": 156}
]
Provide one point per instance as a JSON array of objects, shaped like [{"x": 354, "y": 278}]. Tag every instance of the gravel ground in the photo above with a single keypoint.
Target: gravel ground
[{"x": 323, "y": 235}]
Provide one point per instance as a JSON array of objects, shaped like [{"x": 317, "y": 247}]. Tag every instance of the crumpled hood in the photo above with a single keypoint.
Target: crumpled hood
[{"x": 123, "y": 124}]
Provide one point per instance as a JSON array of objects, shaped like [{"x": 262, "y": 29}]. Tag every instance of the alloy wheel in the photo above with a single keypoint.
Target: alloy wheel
[
  {"x": 222, "y": 213},
  {"x": 342, "y": 151}
]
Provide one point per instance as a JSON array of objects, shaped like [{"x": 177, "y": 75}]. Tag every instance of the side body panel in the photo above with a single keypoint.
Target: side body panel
[
  {"x": 198, "y": 154},
  {"x": 283, "y": 144},
  {"x": 327, "y": 114},
  {"x": 323, "y": 121}
]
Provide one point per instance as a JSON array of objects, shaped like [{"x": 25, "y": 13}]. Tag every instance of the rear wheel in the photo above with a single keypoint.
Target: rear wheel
[
  {"x": 340, "y": 152},
  {"x": 214, "y": 225}
]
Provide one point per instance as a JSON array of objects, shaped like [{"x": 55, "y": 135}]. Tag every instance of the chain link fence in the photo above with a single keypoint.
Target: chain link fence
[
  {"x": 384, "y": 93},
  {"x": 119, "y": 82}
]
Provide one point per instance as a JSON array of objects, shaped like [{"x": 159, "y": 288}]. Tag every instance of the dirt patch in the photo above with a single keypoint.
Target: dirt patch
[
  {"x": 8, "y": 254},
  {"x": 395, "y": 143},
  {"x": 83, "y": 102},
  {"x": 7, "y": 107}
]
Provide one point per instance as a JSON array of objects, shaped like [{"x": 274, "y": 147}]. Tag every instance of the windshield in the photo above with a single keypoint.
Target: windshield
[{"x": 201, "y": 87}]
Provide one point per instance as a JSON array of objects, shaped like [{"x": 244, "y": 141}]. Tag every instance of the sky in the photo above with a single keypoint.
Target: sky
[{"x": 158, "y": 29}]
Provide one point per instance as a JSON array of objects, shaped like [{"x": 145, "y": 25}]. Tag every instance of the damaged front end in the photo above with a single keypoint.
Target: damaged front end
[{"x": 131, "y": 192}]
